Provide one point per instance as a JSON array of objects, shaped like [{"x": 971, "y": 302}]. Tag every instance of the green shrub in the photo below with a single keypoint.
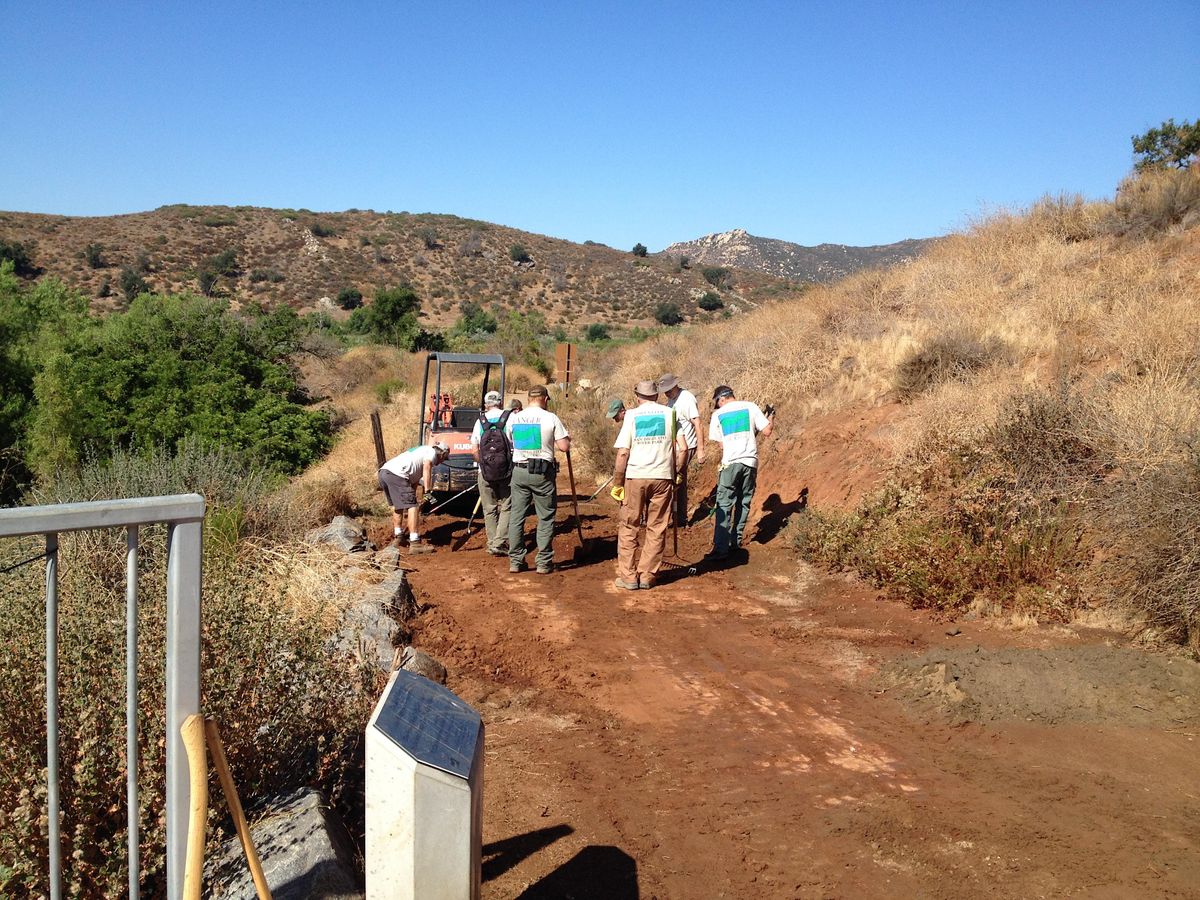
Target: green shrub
[
  {"x": 349, "y": 298},
  {"x": 218, "y": 221},
  {"x": 710, "y": 301},
  {"x": 132, "y": 284},
  {"x": 21, "y": 257},
  {"x": 321, "y": 230},
  {"x": 639, "y": 250},
  {"x": 224, "y": 263},
  {"x": 271, "y": 275},
  {"x": 105, "y": 287},
  {"x": 518, "y": 254},
  {"x": 597, "y": 331},
  {"x": 206, "y": 281},
  {"x": 668, "y": 313},
  {"x": 93, "y": 255},
  {"x": 429, "y": 237},
  {"x": 392, "y": 318},
  {"x": 717, "y": 276}
]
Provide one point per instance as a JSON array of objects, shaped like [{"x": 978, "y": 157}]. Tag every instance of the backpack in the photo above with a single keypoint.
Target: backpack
[{"x": 495, "y": 452}]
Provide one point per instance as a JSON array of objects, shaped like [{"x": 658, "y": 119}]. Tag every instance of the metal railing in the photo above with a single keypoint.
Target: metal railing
[{"x": 184, "y": 516}]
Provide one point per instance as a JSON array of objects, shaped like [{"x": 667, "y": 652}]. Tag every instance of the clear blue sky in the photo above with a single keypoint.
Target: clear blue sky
[{"x": 853, "y": 123}]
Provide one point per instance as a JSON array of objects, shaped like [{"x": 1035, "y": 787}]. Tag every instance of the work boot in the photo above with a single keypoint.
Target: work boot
[
  {"x": 626, "y": 585},
  {"x": 498, "y": 551},
  {"x": 645, "y": 582},
  {"x": 545, "y": 569},
  {"x": 419, "y": 547},
  {"x": 515, "y": 567}
]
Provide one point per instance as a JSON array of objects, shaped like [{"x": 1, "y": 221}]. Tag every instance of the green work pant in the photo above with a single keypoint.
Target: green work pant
[
  {"x": 540, "y": 492},
  {"x": 735, "y": 490},
  {"x": 494, "y": 500}
]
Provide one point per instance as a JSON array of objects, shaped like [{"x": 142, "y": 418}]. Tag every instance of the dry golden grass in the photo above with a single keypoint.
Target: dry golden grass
[{"x": 1094, "y": 306}]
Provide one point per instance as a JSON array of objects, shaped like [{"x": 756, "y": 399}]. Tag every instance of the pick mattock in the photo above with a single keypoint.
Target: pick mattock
[
  {"x": 467, "y": 534},
  {"x": 235, "y": 809},
  {"x": 584, "y": 550}
]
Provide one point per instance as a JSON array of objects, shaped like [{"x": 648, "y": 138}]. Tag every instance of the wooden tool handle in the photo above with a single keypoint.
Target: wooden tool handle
[
  {"x": 192, "y": 732},
  {"x": 574, "y": 497},
  {"x": 235, "y": 808}
]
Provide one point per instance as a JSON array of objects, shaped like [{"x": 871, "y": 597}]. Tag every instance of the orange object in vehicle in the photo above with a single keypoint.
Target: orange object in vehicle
[{"x": 447, "y": 413}]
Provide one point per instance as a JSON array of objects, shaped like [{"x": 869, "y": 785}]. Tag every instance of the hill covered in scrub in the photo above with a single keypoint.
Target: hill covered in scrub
[
  {"x": 1007, "y": 424},
  {"x": 306, "y": 259},
  {"x": 783, "y": 259}
]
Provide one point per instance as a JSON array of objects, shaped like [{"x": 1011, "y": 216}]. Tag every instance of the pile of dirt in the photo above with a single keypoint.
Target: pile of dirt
[{"x": 1094, "y": 685}]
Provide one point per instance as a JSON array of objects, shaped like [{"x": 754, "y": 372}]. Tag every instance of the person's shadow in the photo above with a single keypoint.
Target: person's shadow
[{"x": 776, "y": 514}]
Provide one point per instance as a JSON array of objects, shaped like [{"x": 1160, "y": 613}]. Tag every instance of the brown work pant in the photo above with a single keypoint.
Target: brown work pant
[{"x": 651, "y": 496}]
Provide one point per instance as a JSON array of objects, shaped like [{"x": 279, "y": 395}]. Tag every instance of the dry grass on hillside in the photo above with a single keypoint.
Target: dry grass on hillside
[{"x": 1049, "y": 363}]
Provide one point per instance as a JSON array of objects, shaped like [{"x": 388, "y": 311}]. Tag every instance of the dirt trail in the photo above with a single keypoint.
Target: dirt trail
[{"x": 762, "y": 731}]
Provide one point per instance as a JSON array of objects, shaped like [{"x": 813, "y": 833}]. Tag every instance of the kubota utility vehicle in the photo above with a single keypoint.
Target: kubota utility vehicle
[{"x": 442, "y": 420}]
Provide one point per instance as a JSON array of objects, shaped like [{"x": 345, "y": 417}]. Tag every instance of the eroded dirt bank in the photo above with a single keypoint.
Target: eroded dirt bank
[{"x": 763, "y": 731}]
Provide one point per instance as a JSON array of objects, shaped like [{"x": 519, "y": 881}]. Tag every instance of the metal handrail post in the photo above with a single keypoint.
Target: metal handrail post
[
  {"x": 52, "y": 793},
  {"x": 183, "y": 685},
  {"x": 131, "y": 707}
]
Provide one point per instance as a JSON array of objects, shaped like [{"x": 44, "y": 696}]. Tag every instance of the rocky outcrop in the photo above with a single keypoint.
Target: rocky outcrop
[{"x": 344, "y": 533}]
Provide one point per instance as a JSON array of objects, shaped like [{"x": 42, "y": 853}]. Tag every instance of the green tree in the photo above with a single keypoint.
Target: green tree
[
  {"x": 597, "y": 331},
  {"x": 21, "y": 257},
  {"x": 93, "y": 254},
  {"x": 518, "y": 254},
  {"x": 717, "y": 276},
  {"x": 224, "y": 263},
  {"x": 172, "y": 368},
  {"x": 640, "y": 250},
  {"x": 390, "y": 319},
  {"x": 349, "y": 298},
  {"x": 207, "y": 280},
  {"x": 1167, "y": 145},
  {"x": 132, "y": 284},
  {"x": 710, "y": 301},
  {"x": 668, "y": 313}
]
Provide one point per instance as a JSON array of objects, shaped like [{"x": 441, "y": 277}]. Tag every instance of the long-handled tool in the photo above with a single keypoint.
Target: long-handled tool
[
  {"x": 467, "y": 536},
  {"x": 473, "y": 487},
  {"x": 235, "y": 809},
  {"x": 599, "y": 489},
  {"x": 192, "y": 732},
  {"x": 583, "y": 547}
]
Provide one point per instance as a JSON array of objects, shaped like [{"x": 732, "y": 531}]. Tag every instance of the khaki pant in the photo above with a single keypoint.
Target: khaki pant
[
  {"x": 496, "y": 500},
  {"x": 651, "y": 496}
]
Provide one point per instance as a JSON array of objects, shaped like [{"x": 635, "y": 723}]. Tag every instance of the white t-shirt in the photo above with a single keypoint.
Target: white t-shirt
[
  {"x": 648, "y": 433},
  {"x": 411, "y": 463},
  {"x": 735, "y": 425},
  {"x": 492, "y": 415},
  {"x": 686, "y": 409},
  {"x": 533, "y": 432}
]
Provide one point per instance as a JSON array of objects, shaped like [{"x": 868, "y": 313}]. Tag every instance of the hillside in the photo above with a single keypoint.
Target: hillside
[
  {"x": 783, "y": 259},
  {"x": 303, "y": 259}
]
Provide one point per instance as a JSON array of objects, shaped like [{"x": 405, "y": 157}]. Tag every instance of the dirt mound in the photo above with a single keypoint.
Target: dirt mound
[{"x": 1089, "y": 685}]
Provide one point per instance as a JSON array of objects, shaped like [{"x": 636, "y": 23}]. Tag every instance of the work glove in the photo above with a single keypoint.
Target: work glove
[
  {"x": 618, "y": 493},
  {"x": 678, "y": 479}
]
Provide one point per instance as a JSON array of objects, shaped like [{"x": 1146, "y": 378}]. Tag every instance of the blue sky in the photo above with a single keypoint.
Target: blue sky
[{"x": 853, "y": 123}]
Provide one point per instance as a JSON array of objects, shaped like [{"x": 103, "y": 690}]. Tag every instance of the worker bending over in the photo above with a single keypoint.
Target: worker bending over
[{"x": 399, "y": 478}]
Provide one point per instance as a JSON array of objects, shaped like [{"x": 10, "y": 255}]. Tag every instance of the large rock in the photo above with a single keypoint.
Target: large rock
[
  {"x": 343, "y": 532},
  {"x": 374, "y": 627},
  {"x": 388, "y": 559},
  {"x": 421, "y": 663},
  {"x": 305, "y": 850}
]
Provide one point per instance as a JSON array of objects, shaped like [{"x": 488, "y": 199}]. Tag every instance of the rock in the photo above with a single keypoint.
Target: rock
[
  {"x": 394, "y": 594},
  {"x": 343, "y": 532},
  {"x": 305, "y": 852},
  {"x": 421, "y": 663},
  {"x": 373, "y": 627},
  {"x": 388, "y": 558}
]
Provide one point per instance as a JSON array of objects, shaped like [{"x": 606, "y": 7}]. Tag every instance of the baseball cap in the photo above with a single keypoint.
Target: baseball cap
[
  {"x": 492, "y": 397},
  {"x": 614, "y": 408},
  {"x": 667, "y": 381},
  {"x": 442, "y": 448},
  {"x": 539, "y": 390},
  {"x": 722, "y": 390}
]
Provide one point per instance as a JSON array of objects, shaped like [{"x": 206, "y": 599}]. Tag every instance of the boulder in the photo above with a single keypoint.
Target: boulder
[
  {"x": 374, "y": 627},
  {"x": 420, "y": 663},
  {"x": 343, "y": 532},
  {"x": 388, "y": 558},
  {"x": 304, "y": 848}
]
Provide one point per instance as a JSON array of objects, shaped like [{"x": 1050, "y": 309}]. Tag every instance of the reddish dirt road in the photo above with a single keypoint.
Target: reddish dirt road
[{"x": 730, "y": 734}]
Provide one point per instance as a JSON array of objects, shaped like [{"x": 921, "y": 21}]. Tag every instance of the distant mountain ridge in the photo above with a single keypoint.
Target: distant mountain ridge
[{"x": 783, "y": 259}]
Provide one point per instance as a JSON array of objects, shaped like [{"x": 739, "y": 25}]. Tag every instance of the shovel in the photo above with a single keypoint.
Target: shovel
[
  {"x": 583, "y": 544},
  {"x": 467, "y": 536}
]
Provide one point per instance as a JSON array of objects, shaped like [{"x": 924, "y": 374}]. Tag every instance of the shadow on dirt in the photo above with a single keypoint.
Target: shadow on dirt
[
  {"x": 594, "y": 873},
  {"x": 500, "y": 856},
  {"x": 776, "y": 514}
]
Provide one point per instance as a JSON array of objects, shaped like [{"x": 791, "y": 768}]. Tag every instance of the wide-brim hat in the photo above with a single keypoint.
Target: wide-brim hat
[
  {"x": 667, "y": 382},
  {"x": 646, "y": 389}
]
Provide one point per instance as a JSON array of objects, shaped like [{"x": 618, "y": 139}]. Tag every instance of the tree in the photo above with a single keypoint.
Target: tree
[
  {"x": 668, "y": 313},
  {"x": 710, "y": 301},
  {"x": 717, "y": 276},
  {"x": 640, "y": 250},
  {"x": 1168, "y": 144},
  {"x": 597, "y": 331},
  {"x": 93, "y": 254},
  {"x": 518, "y": 254},
  {"x": 132, "y": 284},
  {"x": 429, "y": 237},
  {"x": 224, "y": 263},
  {"x": 21, "y": 257},
  {"x": 207, "y": 280},
  {"x": 349, "y": 298},
  {"x": 173, "y": 368},
  {"x": 390, "y": 319}
]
